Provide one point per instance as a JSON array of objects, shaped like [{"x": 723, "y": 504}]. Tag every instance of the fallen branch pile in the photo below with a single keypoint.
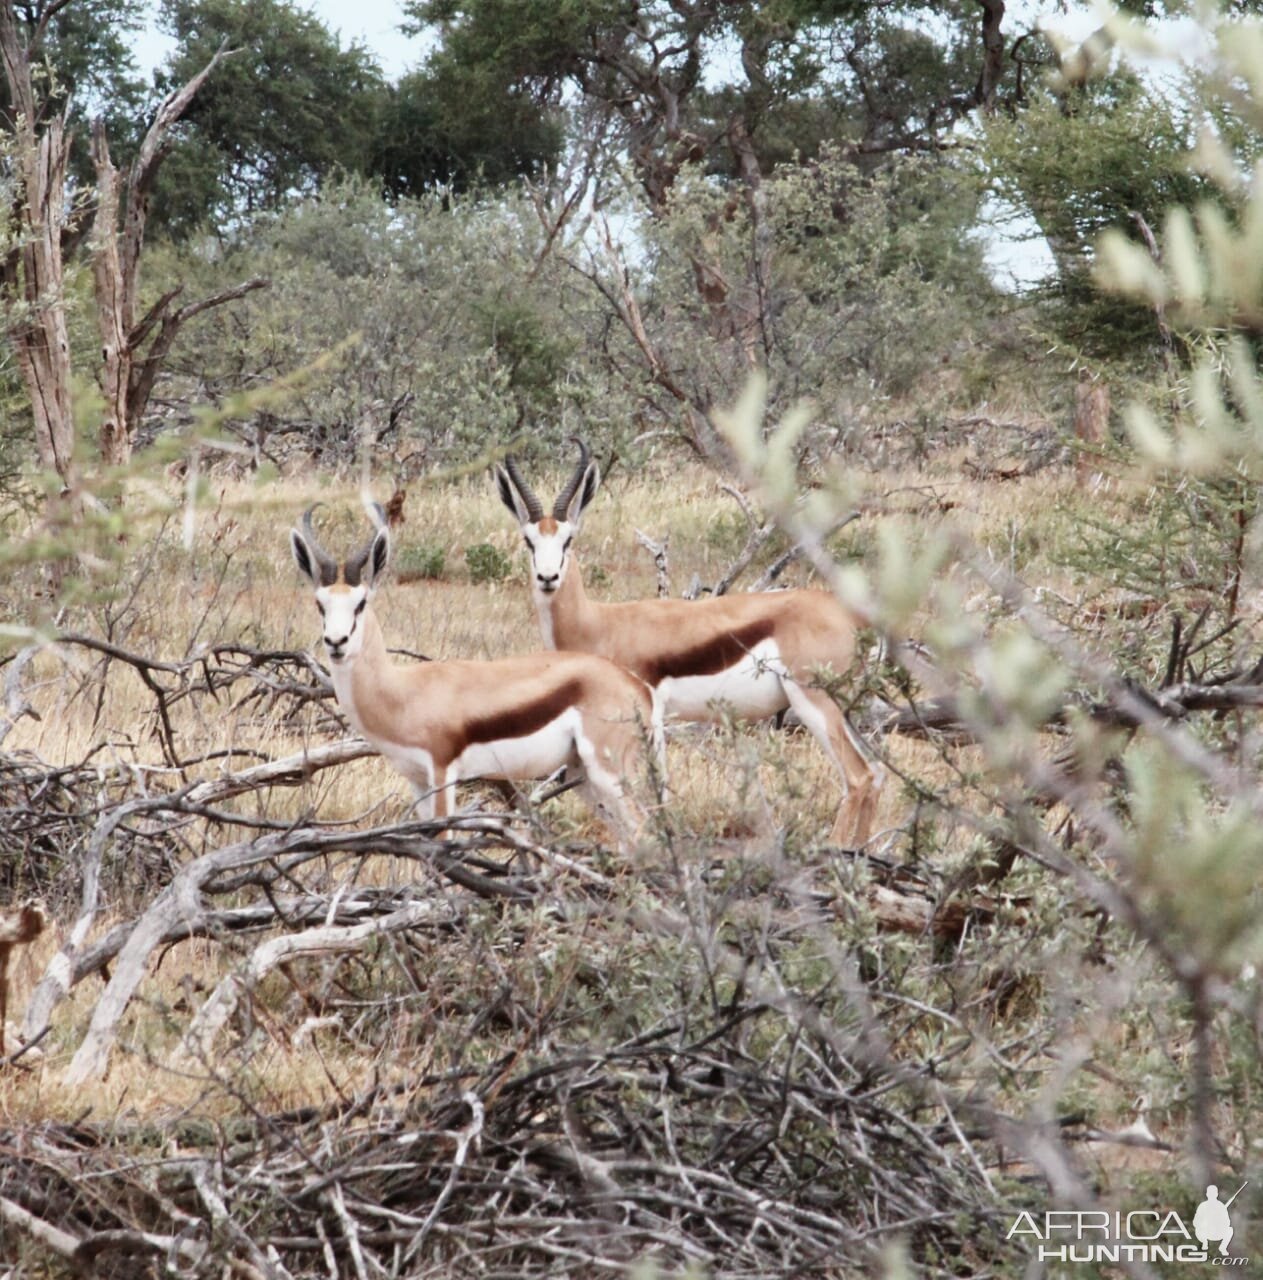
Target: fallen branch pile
[{"x": 676, "y": 1145}]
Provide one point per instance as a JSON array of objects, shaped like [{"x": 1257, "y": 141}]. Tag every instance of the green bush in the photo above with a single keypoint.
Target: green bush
[
  {"x": 420, "y": 562},
  {"x": 487, "y": 563}
]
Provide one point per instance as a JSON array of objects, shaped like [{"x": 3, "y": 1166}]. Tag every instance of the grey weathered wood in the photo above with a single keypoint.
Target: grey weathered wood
[
  {"x": 60, "y": 975},
  {"x": 198, "y": 1041}
]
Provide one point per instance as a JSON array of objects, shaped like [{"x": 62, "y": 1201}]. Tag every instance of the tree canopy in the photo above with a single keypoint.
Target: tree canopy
[{"x": 286, "y": 109}]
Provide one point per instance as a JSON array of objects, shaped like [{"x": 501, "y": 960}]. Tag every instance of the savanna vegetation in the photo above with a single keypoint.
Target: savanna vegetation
[{"x": 260, "y": 1019}]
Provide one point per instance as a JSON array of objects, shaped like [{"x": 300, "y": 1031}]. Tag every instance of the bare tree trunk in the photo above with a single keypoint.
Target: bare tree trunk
[
  {"x": 31, "y": 275},
  {"x": 127, "y": 375},
  {"x": 992, "y": 70},
  {"x": 111, "y": 306},
  {"x": 43, "y": 344}
]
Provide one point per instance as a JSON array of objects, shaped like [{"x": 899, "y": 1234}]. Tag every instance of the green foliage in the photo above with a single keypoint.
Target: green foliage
[
  {"x": 88, "y": 60},
  {"x": 473, "y": 323},
  {"x": 419, "y": 561},
  {"x": 533, "y": 353},
  {"x": 906, "y": 61},
  {"x": 1184, "y": 545},
  {"x": 1204, "y": 435},
  {"x": 88, "y": 70},
  {"x": 487, "y": 563},
  {"x": 286, "y": 110},
  {"x": 458, "y": 128},
  {"x": 870, "y": 284},
  {"x": 616, "y": 60},
  {"x": 1083, "y": 160},
  {"x": 462, "y": 335}
]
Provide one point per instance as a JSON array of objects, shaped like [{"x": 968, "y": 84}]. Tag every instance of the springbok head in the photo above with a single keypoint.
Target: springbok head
[
  {"x": 342, "y": 594},
  {"x": 548, "y": 537}
]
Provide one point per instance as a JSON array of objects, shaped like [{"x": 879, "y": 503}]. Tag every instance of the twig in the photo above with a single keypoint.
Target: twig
[
  {"x": 658, "y": 550},
  {"x": 465, "y": 1138}
]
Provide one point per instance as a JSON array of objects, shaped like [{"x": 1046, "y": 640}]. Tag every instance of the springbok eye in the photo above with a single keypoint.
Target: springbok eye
[
  {"x": 321, "y": 608},
  {"x": 527, "y": 540},
  {"x": 359, "y": 608},
  {"x": 566, "y": 545}
]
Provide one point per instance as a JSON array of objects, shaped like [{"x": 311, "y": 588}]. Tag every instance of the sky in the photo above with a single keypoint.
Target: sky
[{"x": 374, "y": 22}]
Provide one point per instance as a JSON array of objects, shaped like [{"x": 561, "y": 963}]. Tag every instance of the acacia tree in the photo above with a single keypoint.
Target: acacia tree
[
  {"x": 731, "y": 89},
  {"x": 46, "y": 225},
  {"x": 642, "y": 68},
  {"x": 292, "y": 107}
]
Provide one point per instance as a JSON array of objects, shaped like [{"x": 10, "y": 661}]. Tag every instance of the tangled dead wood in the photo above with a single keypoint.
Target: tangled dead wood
[{"x": 675, "y": 1144}]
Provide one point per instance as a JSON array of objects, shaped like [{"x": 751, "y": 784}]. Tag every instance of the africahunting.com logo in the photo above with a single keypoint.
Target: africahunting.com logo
[{"x": 1143, "y": 1235}]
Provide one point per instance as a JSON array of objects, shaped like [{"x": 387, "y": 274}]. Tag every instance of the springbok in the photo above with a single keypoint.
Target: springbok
[
  {"x": 440, "y": 723},
  {"x": 754, "y": 654}
]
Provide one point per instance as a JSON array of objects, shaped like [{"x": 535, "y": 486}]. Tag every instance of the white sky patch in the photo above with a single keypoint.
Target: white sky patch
[
  {"x": 373, "y": 23},
  {"x": 1016, "y": 254}
]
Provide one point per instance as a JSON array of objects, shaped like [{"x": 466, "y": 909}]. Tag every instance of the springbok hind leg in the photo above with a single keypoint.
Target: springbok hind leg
[
  {"x": 605, "y": 793},
  {"x": 862, "y": 777}
]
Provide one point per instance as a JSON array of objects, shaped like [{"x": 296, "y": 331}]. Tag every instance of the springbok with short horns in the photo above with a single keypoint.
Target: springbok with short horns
[
  {"x": 440, "y": 723},
  {"x": 754, "y": 654}
]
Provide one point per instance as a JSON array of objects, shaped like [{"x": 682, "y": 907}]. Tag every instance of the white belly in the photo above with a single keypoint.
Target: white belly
[
  {"x": 415, "y": 764},
  {"x": 533, "y": 756},
  {"x": 752, "y": 689}
]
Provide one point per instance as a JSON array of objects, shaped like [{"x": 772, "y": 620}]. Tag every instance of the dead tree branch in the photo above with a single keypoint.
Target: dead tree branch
[
  {"x": 658, "y": 550},
  {"x": 328, "y": 940}
]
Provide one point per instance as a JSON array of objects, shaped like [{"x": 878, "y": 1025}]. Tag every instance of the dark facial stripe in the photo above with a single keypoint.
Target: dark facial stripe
[
  {"x": 517, "y": 722},
  {"x": 714, "y": 655}
]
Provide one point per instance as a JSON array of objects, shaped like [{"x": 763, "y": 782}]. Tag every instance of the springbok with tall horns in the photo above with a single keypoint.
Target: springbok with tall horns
[
  {"x": 755, "y": 654},
  {"x": 440, "y": 723}
]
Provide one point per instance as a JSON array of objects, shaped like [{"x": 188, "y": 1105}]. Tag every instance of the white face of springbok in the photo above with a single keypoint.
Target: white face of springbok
[
  {"x": 549, "y": 537},
  {"x": 342, "y": 595}
]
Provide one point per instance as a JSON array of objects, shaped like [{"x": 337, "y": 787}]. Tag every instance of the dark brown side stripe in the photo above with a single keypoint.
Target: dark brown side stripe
[
  {"x": 517, "y": 722},
  {"x": 717, "y": 654}
]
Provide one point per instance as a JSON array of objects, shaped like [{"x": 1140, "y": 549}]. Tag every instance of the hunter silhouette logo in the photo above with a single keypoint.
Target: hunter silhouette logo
[
  {"x": 1211, "y": 1221},
  {"x": 1141, "y": 1235}
]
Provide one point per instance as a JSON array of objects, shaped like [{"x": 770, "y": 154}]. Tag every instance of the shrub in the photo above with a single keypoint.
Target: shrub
[
  {"x": 420, "y": 562},
  {"x": 487, "y": 563}
]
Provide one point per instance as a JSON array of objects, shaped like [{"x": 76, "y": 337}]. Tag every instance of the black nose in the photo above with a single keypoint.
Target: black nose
[
  {"x": 548, "y": 579},
  {"x": 334, "y": 645}
]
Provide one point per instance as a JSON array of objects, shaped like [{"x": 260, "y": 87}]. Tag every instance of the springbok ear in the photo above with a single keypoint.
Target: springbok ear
[
  {"x": 304, "y": 558},
  {"x": 510, "y": 497},
  {"x": 378, "y": 557},
  {"x": 584, "y": 494}
]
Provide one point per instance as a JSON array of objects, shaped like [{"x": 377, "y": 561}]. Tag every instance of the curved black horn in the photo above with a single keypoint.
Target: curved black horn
[
  {"x": 563, "y": 498},
  {"x": 327, "y": 565},
  {"x": 353, "y": 570},
  {"x": 534, "y": 507}
]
